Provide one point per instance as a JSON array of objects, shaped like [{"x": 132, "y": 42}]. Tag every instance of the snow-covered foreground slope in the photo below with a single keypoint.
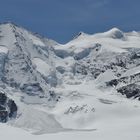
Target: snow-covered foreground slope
[
  {"x": 78, "y": 90},
  {"x": 99, "y": 115},
  {"x": 125, "y": 126}
]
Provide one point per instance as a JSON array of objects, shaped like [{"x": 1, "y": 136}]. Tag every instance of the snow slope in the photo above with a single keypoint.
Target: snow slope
[
  {"x": 114, "y": 117},
  {"x": 105, "y": 134},
  {"x": 41, "y": 66}
]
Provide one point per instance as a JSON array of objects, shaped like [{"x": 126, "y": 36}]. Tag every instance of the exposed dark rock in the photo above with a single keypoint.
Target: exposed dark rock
[
  {"x": 3, "y": 116},
  {"x": 2, "y": 107},
  {"x": 132, "y": 90},
  {"x": 113, "y": 82},
  {"x": 53, "y": 96},
  {"x": 12, "y": 107},
  {"x": 60, "y": 69},
  {"x": 3, "y": 98},
  {"x": 8, "y": 108}
]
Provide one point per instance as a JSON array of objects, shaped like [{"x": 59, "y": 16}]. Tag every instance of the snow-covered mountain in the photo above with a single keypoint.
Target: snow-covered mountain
[{"x": 81, "y": 85}]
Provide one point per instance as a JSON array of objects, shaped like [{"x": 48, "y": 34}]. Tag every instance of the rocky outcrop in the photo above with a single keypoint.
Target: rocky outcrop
[
  {"x": 132, "y": 90},
  {"x": 8, "y": 108}
]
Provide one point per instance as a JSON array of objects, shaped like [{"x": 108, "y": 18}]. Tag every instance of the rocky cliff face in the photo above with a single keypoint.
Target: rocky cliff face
[
  {"x": 18, "y": 68},
  {"x": 8, "y": 108}
]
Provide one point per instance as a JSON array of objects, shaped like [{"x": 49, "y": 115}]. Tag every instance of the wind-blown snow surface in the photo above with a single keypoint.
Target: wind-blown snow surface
[{"x": 69, "y": 90}]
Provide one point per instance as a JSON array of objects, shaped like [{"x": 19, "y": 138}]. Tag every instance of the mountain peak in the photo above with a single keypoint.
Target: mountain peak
[
  {"x": 115, "y": 29},
  {"x": 115, "y": 33},
  {"x": 80, "y": 34},
  {"x": 9, "y": 23}
]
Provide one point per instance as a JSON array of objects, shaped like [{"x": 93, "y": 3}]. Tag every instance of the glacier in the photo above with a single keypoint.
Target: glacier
[{"x": 88, "y": 86}]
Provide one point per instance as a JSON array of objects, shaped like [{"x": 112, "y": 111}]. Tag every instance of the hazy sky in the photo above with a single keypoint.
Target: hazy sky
[{"x": 63, "y": 19}]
